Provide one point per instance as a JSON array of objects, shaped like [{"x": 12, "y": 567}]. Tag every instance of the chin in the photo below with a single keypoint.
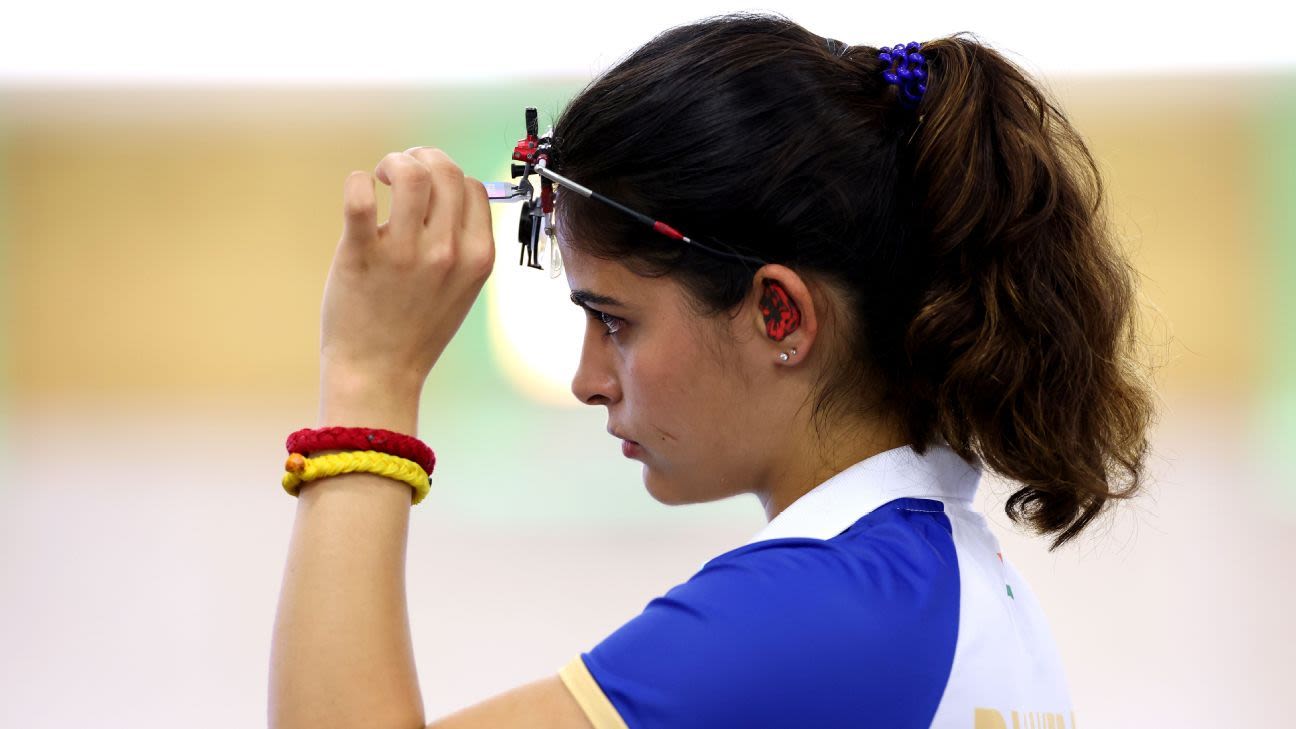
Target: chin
[{"x": 667, "y": 492}]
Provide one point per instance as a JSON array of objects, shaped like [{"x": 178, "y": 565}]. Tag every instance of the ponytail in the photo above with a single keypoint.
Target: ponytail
[{"x": 1019, "y": 352}]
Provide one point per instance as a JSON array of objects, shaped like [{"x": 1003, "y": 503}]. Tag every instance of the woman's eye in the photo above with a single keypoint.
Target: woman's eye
[{"x": 611, "y": 322}]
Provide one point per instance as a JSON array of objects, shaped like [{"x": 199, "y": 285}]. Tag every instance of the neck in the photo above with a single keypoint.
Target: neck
[{"x": 807, "y": 467}]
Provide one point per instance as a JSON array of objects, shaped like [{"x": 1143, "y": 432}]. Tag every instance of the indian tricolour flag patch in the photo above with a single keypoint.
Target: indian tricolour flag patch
[{"x": 1006, "y": 585}]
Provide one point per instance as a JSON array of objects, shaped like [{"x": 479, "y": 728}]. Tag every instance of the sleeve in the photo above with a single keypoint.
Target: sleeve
[{"x": 785, "y": 633}]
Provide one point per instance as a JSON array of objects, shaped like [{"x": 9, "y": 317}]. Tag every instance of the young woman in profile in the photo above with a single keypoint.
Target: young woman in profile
[{"x": 893, "y": 281}]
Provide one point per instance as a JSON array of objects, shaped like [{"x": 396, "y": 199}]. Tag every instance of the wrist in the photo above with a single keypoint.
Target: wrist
[{"x": 366, "y": 401}]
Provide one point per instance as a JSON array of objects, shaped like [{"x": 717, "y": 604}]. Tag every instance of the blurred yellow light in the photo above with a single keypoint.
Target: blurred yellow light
[{"x": 534, "y": 331}]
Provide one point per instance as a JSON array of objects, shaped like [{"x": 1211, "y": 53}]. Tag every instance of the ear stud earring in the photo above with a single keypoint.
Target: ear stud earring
[{"x": 784, "y": 355}]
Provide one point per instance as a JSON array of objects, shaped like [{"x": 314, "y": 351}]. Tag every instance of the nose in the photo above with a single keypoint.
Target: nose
[{"x": 595, "y": 382}]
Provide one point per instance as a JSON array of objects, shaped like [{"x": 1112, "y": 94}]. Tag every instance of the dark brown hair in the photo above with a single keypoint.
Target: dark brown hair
[{"x": 986, "y": 300}]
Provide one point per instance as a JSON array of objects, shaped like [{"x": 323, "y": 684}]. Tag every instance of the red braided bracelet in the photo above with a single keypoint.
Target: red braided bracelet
[{"x": 310, "y": 440}]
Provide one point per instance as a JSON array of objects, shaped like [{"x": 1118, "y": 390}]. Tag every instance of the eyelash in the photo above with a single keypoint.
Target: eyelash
[{"x": 606, "y": 319}]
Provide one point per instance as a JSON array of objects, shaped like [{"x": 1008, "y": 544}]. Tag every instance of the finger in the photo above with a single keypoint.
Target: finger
[
  {"x": 478, "y": 227},
  {"x": 410, "y": 181},
  {"x": 430, "y": 161},
  {"x": 359, "y": 209},
  {"x": 445, "y": 199}
]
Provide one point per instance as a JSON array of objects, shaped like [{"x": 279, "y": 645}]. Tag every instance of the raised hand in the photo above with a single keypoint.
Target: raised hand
[{"x": 398, "y": 291}]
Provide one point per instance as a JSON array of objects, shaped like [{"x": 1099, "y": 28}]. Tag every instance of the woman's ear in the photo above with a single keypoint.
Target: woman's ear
[{"x": 785, "y": 312}]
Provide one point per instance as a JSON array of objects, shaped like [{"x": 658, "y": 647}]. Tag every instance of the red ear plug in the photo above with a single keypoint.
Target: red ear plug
[{"x": 782, "y": 317}]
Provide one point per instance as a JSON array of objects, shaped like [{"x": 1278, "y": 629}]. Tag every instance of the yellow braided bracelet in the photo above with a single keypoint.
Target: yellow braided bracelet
[{"x": 300, "y": 469}]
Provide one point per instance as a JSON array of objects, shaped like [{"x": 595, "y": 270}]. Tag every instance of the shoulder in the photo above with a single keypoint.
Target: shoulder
[
  {"x": 893, "y": 558},
  {"x": 806, "y": 630}
]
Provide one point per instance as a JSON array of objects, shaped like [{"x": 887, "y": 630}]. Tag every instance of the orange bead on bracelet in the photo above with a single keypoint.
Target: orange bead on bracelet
[{"x": 296, "y": 463}]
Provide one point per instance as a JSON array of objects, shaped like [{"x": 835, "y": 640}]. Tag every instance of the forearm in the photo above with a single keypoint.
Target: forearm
[{"x": 341, "y": 654}]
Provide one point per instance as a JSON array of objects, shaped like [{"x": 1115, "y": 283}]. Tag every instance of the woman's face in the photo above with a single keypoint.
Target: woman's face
[{"x": 682, "y": 387}]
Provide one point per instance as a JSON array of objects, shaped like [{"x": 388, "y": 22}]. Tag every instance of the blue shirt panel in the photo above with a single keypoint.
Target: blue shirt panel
[{"x": 857, "y": 630}]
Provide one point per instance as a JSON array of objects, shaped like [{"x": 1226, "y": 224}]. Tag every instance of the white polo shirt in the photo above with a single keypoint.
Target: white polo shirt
[{"x": 878, "y": 599}]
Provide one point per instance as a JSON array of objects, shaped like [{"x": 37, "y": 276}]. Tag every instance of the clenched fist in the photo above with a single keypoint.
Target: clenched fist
[{"x": 398, "y": 291}]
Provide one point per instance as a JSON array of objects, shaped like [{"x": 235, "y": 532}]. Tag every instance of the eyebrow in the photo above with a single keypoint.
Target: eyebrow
[{"x": 583, "y": 297}]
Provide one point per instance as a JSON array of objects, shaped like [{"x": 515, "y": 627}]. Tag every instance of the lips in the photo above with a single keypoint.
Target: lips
[{"x": 615, "y": 434}]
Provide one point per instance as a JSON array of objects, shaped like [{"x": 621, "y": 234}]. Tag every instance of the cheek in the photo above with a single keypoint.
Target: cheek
[
  {"x": 680, "y": 398},
  {"x": 656, "y": 394}
]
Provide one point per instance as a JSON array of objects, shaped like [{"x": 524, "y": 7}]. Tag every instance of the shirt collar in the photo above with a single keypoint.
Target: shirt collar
[{"x": 834, "y": 505}]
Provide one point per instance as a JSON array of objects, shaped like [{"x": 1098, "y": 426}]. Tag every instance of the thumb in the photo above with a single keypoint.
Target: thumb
[{"x": 359, "y": 208}]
